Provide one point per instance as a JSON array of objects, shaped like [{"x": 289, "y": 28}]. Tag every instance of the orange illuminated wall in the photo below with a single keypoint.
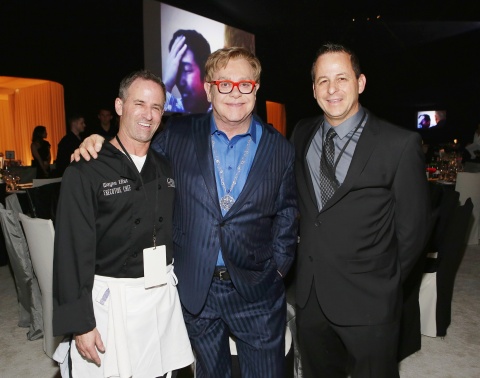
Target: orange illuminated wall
[
  {"x": 24, "y": 104},
  {"x": 277, "y": 116}
]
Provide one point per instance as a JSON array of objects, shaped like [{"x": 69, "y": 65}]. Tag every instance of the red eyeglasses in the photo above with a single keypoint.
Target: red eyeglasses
[{"x": 226, "y": 86}]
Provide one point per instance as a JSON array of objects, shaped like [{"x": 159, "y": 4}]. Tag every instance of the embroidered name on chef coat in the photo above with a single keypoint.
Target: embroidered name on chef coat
[{"x": 116, "y": 187}]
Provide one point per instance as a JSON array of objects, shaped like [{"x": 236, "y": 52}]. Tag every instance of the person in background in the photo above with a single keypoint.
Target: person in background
[
  {"x": 188, "y": 52},
  {"x": 40, "y": 149},
  {"x": 364, "y": 206},
  {"x": 114, "y": 288},
  {"x": 69, "y": 143},
  {"x": 107, "y": 127},
  {"x": 235, "y": 221},
  {"x": 440, "y": 118}
]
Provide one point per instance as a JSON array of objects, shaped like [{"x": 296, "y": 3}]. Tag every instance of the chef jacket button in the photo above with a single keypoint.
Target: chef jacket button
[{"x": 137, "y": 221}]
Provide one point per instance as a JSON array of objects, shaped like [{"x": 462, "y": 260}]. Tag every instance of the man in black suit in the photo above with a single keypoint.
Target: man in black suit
[
  {"x": 364, "y": 218},
  {"x": 69, "y": 143}
]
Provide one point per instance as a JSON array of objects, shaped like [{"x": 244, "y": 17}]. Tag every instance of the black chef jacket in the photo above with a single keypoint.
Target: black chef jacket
[{"x": 105, "y": 219}]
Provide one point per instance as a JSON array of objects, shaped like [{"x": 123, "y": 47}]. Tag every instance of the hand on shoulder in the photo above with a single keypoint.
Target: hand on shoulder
[{"x": 88, "y": 148}]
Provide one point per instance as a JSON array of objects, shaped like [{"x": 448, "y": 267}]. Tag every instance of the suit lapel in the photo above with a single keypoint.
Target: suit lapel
[
  {"x": 203, "y": 150},
  {"x": 305, "y": 143}
]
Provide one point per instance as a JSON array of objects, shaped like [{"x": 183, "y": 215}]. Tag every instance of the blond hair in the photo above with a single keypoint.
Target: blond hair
[{"x": 220, "y": 58}]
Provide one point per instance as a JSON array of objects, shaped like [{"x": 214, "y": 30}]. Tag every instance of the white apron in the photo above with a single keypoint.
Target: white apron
[{"x": 142, "y": 329}]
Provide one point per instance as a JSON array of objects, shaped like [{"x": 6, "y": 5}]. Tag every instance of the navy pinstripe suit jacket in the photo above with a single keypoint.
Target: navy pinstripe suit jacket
[{"x": 257, "y": 235}]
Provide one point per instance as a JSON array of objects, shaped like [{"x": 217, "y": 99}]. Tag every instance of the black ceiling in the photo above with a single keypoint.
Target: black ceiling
[
  {"x": 414, "y": 52},
  {"x": 270, "y": 16}
]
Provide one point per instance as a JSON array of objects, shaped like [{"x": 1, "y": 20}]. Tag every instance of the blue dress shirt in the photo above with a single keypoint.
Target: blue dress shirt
[{"x": 230, "y": 153}]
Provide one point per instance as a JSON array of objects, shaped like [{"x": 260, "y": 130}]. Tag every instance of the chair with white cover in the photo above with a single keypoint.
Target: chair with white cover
[
  {"x": 28, "y": 291},
  {"x": 12, "y": 203},
  {"x": 40, "y": 237},
  {"x": 43, "y": 199},
  {"x": 468, "y": 185},
  {"x": 410, "y": 337},
  {"x": 436, "y": 290},
  {"x": 40, "y": 182}
]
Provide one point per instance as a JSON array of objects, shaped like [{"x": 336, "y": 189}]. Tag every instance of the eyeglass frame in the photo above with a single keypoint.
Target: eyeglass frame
[{"x": 234, "y": 84}]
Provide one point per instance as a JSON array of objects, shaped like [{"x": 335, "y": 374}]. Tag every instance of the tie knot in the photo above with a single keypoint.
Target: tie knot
[{"x": 330, "y": 134}]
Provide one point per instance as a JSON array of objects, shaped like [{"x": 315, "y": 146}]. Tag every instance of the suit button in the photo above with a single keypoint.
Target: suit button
[
  {"x": 137, "y": 221},
  {"x": 310, "y": 258},
  {"x": 137, "y": 188},
  {"x": 160, "y": 219},
  {"x": 222, "y": 224},
  {"x": 159, "y": 186}
]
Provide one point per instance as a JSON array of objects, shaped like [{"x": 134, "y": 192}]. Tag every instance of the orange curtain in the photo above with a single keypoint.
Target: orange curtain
[
  {"x": 277, "y": 116},
  {"x": 24, "y": 104}
]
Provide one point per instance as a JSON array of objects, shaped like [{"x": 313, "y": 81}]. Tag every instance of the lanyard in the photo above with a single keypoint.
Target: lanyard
[
  {"x": 332, "y": 170},
  {"x": 145, "y": 189}
]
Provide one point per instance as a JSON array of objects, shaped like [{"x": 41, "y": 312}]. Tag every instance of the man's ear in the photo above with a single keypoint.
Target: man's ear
[
  {"x": 257, "y": 87},
  {"x": 119, "y": 106},
  {"x": 362, "y": 81},
  {"x": 207, "y": 87}
]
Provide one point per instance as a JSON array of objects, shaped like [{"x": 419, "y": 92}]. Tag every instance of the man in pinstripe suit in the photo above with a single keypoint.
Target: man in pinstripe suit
[{"x": 235, "y": 222}]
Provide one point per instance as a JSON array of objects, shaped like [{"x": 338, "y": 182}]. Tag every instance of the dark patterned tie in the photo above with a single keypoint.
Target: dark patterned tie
[{"x": 327, "y": 175}]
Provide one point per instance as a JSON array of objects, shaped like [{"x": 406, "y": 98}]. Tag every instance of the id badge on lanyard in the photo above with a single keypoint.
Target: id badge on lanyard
[
  {"x": 155, "y": 266},
  {"x": 154, "y": 258}
]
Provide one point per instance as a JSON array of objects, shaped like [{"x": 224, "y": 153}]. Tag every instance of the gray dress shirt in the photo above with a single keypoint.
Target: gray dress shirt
[{"x": 348, "y": 134}]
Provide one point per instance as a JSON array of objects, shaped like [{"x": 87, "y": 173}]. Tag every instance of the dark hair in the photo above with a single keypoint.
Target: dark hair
[
  {"x": 105, "y": 108},
  {"x": 335, "y": 48},
  {"x": 197, "y": 44},
  {"x": 74, "y": 117},
  {"x": 38, "y": 132},
  {"x": 142, "y": 74},
  {"x": 424, "y": 120}
]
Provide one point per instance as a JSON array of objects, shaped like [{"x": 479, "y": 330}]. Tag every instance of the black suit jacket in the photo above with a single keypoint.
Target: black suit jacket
[
  {"x": 366, "y": 239},
  {"x": 257, "y": 235}
]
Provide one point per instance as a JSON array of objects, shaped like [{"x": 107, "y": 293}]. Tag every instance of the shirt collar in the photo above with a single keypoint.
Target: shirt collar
[
  {"x": 348, "y": 125},
  {"x": 252, "y": 130}
]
